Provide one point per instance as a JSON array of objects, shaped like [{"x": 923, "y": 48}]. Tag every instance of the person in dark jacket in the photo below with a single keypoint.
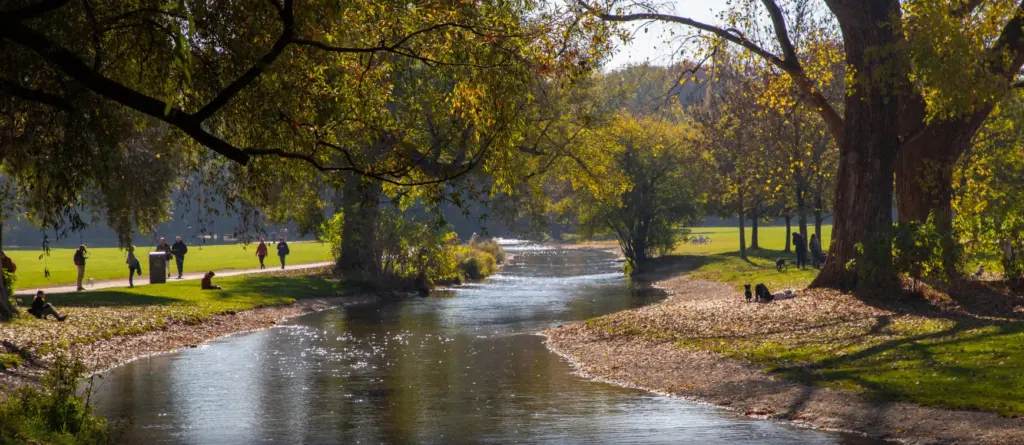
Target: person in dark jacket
[
  {"x": 166, "y": 249},
  {"x": 179, "y": 249},
  {"x": 207, "y": 283},
  {"x": 282, "y": 249},
  {"x": 261, "y": 252},
  {"x": 817, "y": 255},
  {"x": 80, "y": 255},
  {"x": 41, "y": 309},
  {"x": 800, "y": 244},
  {"x": 134, "y": 266}
]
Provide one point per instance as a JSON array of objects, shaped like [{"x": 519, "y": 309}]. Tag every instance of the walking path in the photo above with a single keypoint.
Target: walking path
[{"x": 144, "y": 279}]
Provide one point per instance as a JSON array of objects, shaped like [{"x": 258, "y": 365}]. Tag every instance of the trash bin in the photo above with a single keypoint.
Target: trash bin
[{"x": 157, "y": 267}]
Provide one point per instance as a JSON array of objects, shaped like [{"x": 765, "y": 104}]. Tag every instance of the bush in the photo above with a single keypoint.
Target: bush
[
  {"x": 490, "y": 246},
  {"x": 476, "y": 264},
  {"x": 54, "y": 413}
]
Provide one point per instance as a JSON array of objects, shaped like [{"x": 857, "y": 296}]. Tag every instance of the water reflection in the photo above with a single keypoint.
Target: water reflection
[{"x": 462, "y": 366}]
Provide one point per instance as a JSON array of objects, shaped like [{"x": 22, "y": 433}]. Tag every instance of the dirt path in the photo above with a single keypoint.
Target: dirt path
[
  {"x": 144, "y": 279},
  {"x": 661, "y": 366}
]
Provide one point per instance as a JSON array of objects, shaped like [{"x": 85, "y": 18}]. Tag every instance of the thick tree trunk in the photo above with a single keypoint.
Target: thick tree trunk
[
  {"x": 818, "y": 216},
  {"x": 743, "y": 230},
  {"x": 924, "y": 179},
  {"x": 753, "y": 228},
  {"x": 789, "y": 234},
  {"x": 360, "y": 261},
  {"x": 867, "y": 159}
]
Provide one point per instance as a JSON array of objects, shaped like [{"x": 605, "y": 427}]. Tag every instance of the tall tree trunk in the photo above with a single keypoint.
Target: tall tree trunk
[
  {"x": 818, "y": 217},
  {"x": 360, "y": 261},
  {"x": 867, "y": 152},
  {"x": 924, "y": 179},
  {"x": 801, "y": 210},
  {"x": 789, "y": 230},
  {"x": 754, "y": 216},
  {"x": 743, "y": 229}
]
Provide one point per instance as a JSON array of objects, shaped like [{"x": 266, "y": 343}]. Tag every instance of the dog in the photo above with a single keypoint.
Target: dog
[
  {"x": 762, "y": 295},
  {"x": 780, "y": 265},
  {"x": 91, "y": 282},
  {"x": 746, "y": 292}
]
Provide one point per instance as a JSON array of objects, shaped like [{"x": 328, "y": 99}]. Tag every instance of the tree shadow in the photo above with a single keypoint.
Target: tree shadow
[
  {"x": 102, "y": 298},
  {"x": 670, "y": 266}
]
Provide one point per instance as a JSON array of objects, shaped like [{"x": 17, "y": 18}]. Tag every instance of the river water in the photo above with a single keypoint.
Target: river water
[{"x": 459, "y": 366}]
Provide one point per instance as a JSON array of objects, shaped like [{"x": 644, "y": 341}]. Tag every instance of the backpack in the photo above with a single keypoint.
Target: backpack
[{"x": 78, "y": 258}]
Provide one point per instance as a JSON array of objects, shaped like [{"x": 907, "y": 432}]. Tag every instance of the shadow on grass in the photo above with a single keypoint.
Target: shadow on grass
[
  {"x": 674, "y": 265},
  {"x": 255, "y": 289}
]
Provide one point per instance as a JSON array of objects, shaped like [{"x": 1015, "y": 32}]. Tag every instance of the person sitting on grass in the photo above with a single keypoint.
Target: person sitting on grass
[
  {"x": 41, "y": 309},
  {"x": 208, "y": 282}
]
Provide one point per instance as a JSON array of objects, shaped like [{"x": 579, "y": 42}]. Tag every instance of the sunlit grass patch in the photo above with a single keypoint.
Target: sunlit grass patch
[
  {"x": 106, "y": 263},
  {"x": 105, "y": 314}
]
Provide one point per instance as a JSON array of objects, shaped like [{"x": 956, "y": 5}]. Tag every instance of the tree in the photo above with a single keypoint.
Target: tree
[
  {"x": 990, "y": 195},
  {"x": 640, "y": 186},
  {"x": 908, "y": 88},
  {"x": 370, "y": 98}
]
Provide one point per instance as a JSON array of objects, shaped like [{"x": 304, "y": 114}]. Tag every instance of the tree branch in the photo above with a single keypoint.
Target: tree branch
[
  {"x": 789, "y": 64},
  {"x": 53, "y": 100},
  {"x": 71, "y": 65},
  {"x": 225, "y": 96}
]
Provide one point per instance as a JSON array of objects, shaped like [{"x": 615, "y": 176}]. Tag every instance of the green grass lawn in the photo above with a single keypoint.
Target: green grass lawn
[
  {"x": 106, "y": 263},
  {"x": 727, "y": 239},
  {"x": 106, "y": 313},
  {"x": 933, "y": 362}
]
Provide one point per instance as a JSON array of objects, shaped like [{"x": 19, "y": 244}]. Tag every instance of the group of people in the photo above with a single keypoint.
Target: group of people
[
  {"x": 42, "y": 309},
  {"x": 177, "y": 251},
  {"x": 801, "y": 247}
]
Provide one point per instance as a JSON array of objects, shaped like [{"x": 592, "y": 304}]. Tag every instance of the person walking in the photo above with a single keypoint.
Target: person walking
[
  {"x": 41, "y": 309},
  {"x": 134, "y": 266},
  {"x": 801, "y": 250},
  {"x": 261, "y": 252},
  {"x": 163, "y": 247},
  {"x": 817, "y": 255},
  {"x": 80, "y": 255},
  {"x": 179, "y": 249},
  {"x": 282, "y": 249}
]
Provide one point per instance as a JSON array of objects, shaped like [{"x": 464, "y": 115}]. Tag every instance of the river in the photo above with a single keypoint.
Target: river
[{"x": 460, "y": 366}]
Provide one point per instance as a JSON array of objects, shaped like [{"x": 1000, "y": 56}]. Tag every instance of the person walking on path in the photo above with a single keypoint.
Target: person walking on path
[
  {"x": 261, "y": 252},
  {"x": 282, "y": 250},
  {"x": 163, "y": 247},
  {"x": 134, "y": 266},
  {"x": 41, "y": 309},
  {"x": 801, "y": 250},
  {"x": 179, "y": 249},
  {"x": 80, "y": 255},
  {"x": 817, "y": 255}
]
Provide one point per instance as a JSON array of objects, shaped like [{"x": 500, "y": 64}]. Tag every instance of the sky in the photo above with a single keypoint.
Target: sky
[{"x": 650, "y": 47}]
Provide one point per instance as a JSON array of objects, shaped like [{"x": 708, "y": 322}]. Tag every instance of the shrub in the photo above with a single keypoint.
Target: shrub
[
  {"x": 54, "y": 412},
  {"x": 476, "y": 264},
  {"x": 490, "y": 246}
]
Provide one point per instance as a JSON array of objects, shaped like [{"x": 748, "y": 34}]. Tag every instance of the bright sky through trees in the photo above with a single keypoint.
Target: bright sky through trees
[{"x": 650, "y": 46}]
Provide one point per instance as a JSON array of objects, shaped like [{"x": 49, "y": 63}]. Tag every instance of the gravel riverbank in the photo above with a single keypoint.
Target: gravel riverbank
[{"x": 647, "y": 348}]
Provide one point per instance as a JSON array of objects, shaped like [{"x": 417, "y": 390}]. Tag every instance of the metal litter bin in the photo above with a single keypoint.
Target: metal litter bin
[{"x": 157, "y": 267}]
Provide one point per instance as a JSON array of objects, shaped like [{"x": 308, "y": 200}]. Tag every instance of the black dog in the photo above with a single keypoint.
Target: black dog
[
  {"x": 780, "y": 265},
  {"x": 746, "y": 292},
  {"x": 762, "y": 293}
]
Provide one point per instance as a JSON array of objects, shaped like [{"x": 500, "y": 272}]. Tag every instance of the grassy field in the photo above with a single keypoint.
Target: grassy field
[
  {"x": 109, "y": 262},
  {"x": 721, "y": 261},
  {"x": 103, "y": 314}
]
